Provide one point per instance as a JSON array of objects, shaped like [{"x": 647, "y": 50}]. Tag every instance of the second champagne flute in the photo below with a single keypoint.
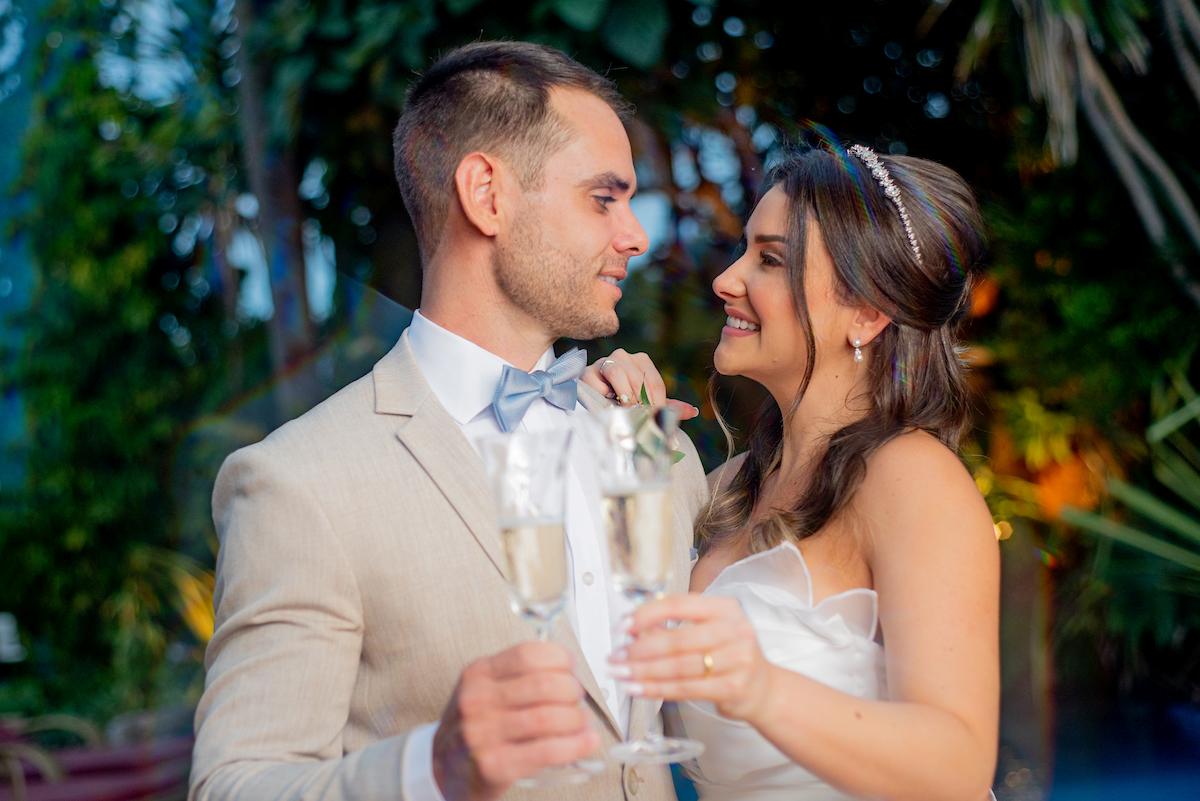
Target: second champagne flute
[{"x": 634, "y": 458}]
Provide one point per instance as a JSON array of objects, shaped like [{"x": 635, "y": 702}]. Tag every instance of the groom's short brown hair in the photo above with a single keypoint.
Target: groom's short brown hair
[{"x": 489, "y": 96}]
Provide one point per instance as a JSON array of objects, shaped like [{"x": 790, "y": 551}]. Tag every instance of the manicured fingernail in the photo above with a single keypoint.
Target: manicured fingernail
[
  {"x": 619, "y": 655},
  {"x": 633, "y": 688},
  {"x": 627, "y": 624},
  {"x": 620, "y": 671}
]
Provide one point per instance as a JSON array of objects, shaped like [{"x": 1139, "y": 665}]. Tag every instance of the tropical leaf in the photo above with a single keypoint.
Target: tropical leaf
[
  {"x": 1133, "y": 537},
  {"x": 635, "y": 31},
  {"x": 1151, "y": 508},
  {"x": 584, "y": 15}
]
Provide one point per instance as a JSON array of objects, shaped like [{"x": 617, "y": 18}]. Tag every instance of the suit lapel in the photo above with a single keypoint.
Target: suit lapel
[{"x": 436, "y": 442}]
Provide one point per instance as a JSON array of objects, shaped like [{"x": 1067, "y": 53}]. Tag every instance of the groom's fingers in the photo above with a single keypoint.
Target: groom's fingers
[
  {"x": 541, "y": 722},
  {"x": 540, "y": 688},
  {"x": 520, "y": 760},
  {"x": 528, "y": 657}
]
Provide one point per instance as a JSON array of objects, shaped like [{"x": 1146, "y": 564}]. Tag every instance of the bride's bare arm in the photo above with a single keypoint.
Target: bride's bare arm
[{"x": 935, "y": 563}]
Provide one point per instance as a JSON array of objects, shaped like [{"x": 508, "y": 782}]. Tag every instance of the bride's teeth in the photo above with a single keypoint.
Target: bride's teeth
[{"x": 737, "y": 322}]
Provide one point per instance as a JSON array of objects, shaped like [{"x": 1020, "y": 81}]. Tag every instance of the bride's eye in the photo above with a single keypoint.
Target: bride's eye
[{"x": 769, "y": 259}]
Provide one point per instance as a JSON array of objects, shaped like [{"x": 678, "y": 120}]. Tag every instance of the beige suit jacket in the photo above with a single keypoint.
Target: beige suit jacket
[{"x": 359, "y": 572}]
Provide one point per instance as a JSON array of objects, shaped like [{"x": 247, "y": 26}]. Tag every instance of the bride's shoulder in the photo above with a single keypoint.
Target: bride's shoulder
[
  {"x": 915, "y": 474},
  {"x": 914, "y": 458},
  {"x": 719, "y": 478}
]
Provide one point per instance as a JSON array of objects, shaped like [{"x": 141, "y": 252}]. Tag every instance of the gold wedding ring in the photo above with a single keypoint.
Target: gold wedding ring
[{"x": 708, "y": 664}]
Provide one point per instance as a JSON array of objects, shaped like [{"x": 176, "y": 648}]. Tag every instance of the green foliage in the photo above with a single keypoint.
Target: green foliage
[
  {"x": 635, "y": 31},
  {"x": 1143, "y": 591},
  {"x": 122, "y": 346}
]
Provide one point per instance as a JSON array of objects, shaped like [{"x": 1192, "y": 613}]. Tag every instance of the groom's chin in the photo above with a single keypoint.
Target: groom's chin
[{"x": 602, "y": 325}]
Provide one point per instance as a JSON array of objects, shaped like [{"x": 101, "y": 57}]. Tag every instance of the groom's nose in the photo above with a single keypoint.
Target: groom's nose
[{"x": 632, "y": 239}]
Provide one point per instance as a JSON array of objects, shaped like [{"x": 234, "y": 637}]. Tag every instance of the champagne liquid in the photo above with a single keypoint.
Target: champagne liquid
[
  {"x": 537, "y": 566},
  {"x": 639, "y": 538}
]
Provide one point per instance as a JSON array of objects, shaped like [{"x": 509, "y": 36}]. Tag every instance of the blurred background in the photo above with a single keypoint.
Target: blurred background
[{"x": 201, "y": 238}]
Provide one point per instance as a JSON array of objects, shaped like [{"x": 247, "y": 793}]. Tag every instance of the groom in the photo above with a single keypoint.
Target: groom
[{"x": 364, "y": 647}]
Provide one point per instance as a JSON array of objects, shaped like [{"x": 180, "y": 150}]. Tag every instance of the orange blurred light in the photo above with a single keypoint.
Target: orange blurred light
[{"x": 983, "y": 296}]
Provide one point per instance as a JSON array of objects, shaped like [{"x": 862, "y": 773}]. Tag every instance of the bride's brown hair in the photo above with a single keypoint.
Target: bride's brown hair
[{"x": 914, "y": 372}]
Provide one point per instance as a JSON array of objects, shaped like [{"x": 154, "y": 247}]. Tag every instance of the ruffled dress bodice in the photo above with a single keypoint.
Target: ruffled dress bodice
[{"x": 833, "y": 642}]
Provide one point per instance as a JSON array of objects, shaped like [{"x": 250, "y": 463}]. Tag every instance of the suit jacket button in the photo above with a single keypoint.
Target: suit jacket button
[{"x": 633, "y": 781}]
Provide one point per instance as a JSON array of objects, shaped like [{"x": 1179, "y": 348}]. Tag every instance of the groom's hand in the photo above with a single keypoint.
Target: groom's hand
[{"x": 511, "y": 715}]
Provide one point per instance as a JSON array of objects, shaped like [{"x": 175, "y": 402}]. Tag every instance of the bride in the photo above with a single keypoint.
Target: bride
[{"x": 841, "y": 636}]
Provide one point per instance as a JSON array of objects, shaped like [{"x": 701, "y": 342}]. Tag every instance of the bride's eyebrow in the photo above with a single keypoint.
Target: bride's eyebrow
[{"x": 765, "y": 239}]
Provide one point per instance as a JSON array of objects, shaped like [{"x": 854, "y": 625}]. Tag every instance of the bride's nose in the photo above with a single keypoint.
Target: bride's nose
[{"x": 729, "y": 285}]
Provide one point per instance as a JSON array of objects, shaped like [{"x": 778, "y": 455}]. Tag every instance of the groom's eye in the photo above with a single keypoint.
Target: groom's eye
[{"x": 604, "y": 200}]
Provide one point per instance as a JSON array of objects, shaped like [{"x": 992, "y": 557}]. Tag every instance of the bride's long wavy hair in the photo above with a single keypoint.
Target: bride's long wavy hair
[{"x": 915, "y": 375}]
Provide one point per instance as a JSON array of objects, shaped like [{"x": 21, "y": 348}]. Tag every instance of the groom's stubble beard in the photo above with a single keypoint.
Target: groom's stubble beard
[{"x": 550, "y": 285}]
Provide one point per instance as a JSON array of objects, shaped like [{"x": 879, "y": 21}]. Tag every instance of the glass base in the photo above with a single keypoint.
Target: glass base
[
  {"x": 656, "y": 751},
  {"x": 579, "y": 772}
]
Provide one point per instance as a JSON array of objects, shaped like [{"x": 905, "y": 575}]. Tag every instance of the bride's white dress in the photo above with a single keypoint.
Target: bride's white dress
[{"x": 833, "y": 642}]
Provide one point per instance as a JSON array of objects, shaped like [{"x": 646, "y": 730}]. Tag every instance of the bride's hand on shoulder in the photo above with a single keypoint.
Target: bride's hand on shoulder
[
  {"x": 712, "y": 655},
  {"x": 621, "y": 376}
]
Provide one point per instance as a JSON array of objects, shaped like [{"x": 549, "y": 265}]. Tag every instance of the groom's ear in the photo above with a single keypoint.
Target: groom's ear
[{"x": 477, "y": 183}]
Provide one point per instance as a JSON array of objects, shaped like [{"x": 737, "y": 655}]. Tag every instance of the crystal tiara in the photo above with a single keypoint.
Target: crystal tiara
[{"x": 890, "y": 189}]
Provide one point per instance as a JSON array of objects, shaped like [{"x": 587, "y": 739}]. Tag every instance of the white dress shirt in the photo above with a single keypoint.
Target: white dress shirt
[{"x": 464, "y": 377}]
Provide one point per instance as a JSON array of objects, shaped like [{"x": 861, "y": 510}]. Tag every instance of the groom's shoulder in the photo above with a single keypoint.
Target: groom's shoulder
[
  {"x": 323, "y": 435},
  {"x": 332, "y": 425}
]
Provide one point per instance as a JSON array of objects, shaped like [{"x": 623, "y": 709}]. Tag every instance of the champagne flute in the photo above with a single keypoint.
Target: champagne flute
[
  {"x": 527, "y": 472},
  {"x": 634, "y": 458}
]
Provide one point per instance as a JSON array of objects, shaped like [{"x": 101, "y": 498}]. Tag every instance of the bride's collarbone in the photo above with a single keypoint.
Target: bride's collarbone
[{"x": 834, "y": 556}]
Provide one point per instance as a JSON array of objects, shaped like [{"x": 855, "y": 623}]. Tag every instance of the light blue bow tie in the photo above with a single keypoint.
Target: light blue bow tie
[{"x": 519, "y": 389}]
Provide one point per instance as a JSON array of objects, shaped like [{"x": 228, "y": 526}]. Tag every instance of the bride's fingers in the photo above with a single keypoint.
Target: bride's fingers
[
  {"x": 656, "y": 388},
  {"x": 623, "y": 376},
  {"x": 663, "y": 643},
  {"x": 595, "y": 379},
  {"x": 714, "y": 688},
  {"x": 690, "y": 606},
  {"x": 701, "y": 663},
  {"x": 685, "y": 410}
]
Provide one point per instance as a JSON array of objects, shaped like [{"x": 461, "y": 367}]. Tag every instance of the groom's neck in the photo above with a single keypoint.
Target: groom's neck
[{"x": 468, "y": 303}]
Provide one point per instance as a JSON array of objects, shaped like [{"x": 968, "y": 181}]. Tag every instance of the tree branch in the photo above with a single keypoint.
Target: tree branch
[{"x": 1187, "y": 64}]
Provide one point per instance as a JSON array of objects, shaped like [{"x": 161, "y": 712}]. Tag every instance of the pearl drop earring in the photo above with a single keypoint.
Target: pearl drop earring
[{"x": 858, "y": 351}]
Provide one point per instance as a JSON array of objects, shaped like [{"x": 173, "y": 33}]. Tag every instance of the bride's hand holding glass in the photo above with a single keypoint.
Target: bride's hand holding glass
[{"x": 712, "y": 655}]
